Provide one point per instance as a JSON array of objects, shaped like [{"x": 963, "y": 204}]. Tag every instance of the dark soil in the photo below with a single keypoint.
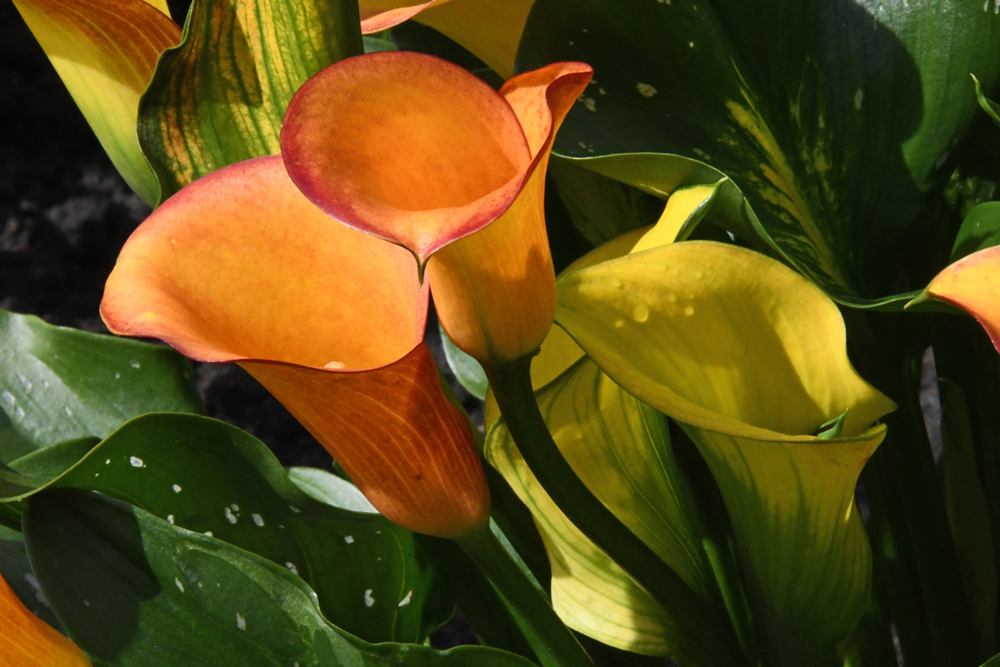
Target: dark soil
[{"x": 65, "y": 213}]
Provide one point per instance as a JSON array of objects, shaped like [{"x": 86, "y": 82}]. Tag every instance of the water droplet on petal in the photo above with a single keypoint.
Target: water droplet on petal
[
  {"x": 619, "y": 323},
  {"x": 689, "y": 311},
  {"x": 641, "y": 313},
  {"x": 615, "y": 282},
  {"x": 699, "y": 275}
]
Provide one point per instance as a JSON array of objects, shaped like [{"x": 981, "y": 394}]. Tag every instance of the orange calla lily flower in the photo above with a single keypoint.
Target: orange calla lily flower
[
  {"x": 972, "y": 284},
  {"x": 421, "y": 153},
  {"x": 239, "y": 266},
  {"x": 28, "y": 641}
]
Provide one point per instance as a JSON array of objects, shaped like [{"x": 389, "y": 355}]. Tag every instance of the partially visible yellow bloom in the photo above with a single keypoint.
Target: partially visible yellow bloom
[{"x": 28, "y": 641}]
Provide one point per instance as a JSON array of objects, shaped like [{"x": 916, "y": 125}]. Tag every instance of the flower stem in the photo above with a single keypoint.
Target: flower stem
[
  {"x": 535, "y": 610},
  {"x": 713, "y": 638}
]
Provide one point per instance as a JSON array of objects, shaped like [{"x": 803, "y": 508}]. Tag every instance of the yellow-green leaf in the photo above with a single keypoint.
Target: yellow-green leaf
[
  {"x": 621, "y": 450},
  {"x": 751, "y": 358},
  {"x": 105, "y": 51},
  {"x": 220, "y": 96}
]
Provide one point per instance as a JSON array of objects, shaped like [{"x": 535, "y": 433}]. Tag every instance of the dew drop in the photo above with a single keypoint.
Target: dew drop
[
  {"x": 230, "y": 517},
  {"x": 135, "y": 461},
  {"x": 349, "y": 539},
  {"x": 170, "y": 519},
  {"x": 241, "y": 622},
  {"x": 134, "y": 363},
  {"x": 405, "y": 601},
  {"x": 369, "y": 600},
  {"x": 641, "y": 313},
  {"x": 180, "y": 586},
  {"x": 176, "y": 488},
  {"x": 291, "y": 566},
  {"x": 8, "y": 397},
  {"x": 18, "y": 411},
  {"x": 25, "y": 382},
  {"x": 118, "y": 375},
  {"x": 689, "y": 311},
  {"x": 619, "y": 323},
  {"x": 294, "y": 509},
  {"x": 236, "y": 508},
  {"x": 69, "y": 413},
  {"x": 258, "y": 519},
  {"x": 209, "y": 533}
]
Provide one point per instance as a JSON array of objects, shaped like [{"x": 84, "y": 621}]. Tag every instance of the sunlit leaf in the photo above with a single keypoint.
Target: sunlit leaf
[
  {"x": 105, "y": 52},
  {"x": 220, "y": 96},
  {"x": 57, "y": 384}
]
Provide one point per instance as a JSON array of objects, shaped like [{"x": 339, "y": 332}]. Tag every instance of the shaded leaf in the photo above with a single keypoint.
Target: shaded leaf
[
  {"x": 990, "y": 107},
  {"x": 208, "y": 476},
  {"x": 140, "y": 591},
  {"x": 57, "y": 384},
  {"x": 832, "y": 117},
  {"x": 467, "y": 370}
]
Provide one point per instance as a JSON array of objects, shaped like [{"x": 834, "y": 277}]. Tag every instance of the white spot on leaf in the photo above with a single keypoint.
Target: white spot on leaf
[
  {"x": 405, "y": 601},
  {"x": 258, "y": 519},
  {"x": 241, "y": 622},
  {"x": 230, "y": 517},
  {"x": 136, "y": 462},
  {"x": 176, "y": 488},
  {"x": 291, "y": 566},
  {"x": 348, "y": 539},
  {"x": 180, "y": 586},
  {"x": 369, "y": 600}
]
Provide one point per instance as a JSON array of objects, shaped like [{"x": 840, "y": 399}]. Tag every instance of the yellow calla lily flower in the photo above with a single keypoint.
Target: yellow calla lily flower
[{"x": 105, "y": 51}]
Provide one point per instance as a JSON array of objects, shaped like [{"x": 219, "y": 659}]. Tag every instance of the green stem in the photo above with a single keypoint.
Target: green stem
[
  {"x": 559, "y": 642},
  {"x": 714, "y": 641}
]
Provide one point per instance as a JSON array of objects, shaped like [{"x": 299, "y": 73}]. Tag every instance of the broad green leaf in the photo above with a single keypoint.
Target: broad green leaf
[
  {"x": 210, "y": 477},
  {"x": 979, "y": 230},
  {"x": 220, "y": 96},
  {"x": 57, "y": 384},
  {"x": 751, "y": 359},
  {"x": 990, "y": 107},
  {"x": 142, "y": 592},
  {"x": 783, "y": 96},
  {"x": 105, "y": 51},
  {"x": 467, "y": 370},
  {"x": 601, "y": 208},
  {"x": 968, "y": 515}
]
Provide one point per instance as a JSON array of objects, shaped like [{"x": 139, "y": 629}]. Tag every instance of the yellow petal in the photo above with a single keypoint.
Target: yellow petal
[
  {"x": 751, "y": 359},
  {"x": 479, "y": 282},
  {"x": 27, "y": 641},
  {"x": 972, "y": 284},
  {"x": 105, "y": 52},
  {"x": 490, "y": 29}
]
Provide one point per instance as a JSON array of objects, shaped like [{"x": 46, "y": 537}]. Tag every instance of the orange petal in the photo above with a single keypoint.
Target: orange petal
[
  {"x": 394, "y": 432},
  {"x": 405, "y": 146},
  {"x": 495, "y": 290},
  {"x": 239, "y": 265},
  {"x": 972, "y": 284},
  {"x": 379, "y": 15},
  {"x": 27, "y": 641}
]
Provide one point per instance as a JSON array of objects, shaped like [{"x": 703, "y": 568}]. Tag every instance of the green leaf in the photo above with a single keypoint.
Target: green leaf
[
  {"x": 141, "y": 592},
  {"x": 58, "y": 384},
  {"x": 601, "y": 208},
  {"x": 330, "y": 489},
  {"x": 990, "y": 107},
  {"x": 467, "y": 370},
  {"x": 220, "y": 96},
  {"x": 783, "y": 96},
  {"x": 16, "y": 571},
  {"x": 621, "y": 450},
  {"x": 968, "y": 515},
  {"x": 210, "y": 477},
  {"x": 979, "y": 230},
  {"x": 992, "y": 662}
]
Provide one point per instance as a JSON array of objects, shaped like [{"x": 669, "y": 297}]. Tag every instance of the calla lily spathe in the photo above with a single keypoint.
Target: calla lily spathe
[
  {"x": 239, "y": 266},
  {"x": 27, "y": 641},
  {"x": 750, "y": 359},
  {"x": 105, "y": 51},
  {"x": 491, "y": 29},
  {"x": 423, "y": 154}
]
